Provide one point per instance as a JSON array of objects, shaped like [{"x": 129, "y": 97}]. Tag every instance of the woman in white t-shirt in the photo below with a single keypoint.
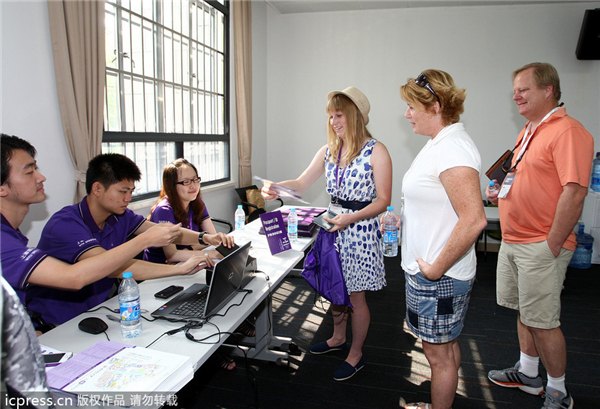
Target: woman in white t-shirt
[{"x": 442, "y": 218}]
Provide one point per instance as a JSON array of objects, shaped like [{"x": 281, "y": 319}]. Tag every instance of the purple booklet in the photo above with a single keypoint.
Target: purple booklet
[{"x": 276, "y": 233}]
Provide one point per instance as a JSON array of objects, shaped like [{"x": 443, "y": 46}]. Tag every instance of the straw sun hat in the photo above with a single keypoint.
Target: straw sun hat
[{"x": 359, "y": 99}]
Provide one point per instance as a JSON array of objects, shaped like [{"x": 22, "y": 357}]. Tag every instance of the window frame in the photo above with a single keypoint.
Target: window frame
[{"x": 179, "y": 138}]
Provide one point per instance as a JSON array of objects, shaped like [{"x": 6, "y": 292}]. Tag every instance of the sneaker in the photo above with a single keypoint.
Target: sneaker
[
  {"x": 557, "y": 400},
  {"x": 512, "y": 378}
]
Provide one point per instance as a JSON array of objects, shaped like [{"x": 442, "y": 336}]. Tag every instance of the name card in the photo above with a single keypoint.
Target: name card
[{"x": 276, "y": 232}]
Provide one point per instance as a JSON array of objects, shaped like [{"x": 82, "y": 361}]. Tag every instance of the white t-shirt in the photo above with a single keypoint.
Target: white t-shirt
[{"x": 428, "y": 217}]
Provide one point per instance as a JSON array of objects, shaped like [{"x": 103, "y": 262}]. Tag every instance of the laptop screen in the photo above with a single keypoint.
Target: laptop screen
[{"x": 226, "y": 279}]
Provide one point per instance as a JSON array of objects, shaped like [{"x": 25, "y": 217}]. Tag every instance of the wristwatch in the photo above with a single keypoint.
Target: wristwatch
[{"x": 201, "y": 238}]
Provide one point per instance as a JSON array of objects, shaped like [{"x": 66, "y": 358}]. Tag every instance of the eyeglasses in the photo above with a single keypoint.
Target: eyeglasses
[
  {"x": 421, "y": 81},
  {"x": 188, "y": 182}
]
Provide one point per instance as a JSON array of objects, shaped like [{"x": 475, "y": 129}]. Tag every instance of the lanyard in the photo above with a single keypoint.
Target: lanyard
[
  {"x": 338, "y": 183},
  {"x": 527, "y": 137}
]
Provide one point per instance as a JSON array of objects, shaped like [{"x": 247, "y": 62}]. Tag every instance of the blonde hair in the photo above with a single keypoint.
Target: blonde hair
[
  {"x": 451, "y": 97},
  {"x": 356, "y": 130},
  {"x": 544, "y": 75}
]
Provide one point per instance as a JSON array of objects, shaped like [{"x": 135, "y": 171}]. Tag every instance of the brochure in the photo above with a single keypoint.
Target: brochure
[
  {"x": 283, "y": 191},
  {"x": 110, "y": 366}
]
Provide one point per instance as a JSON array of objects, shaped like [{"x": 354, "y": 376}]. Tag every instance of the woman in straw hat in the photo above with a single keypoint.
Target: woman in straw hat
[
  {"x": 358, "y": 170},
  {"x": 442, "y": 218}
]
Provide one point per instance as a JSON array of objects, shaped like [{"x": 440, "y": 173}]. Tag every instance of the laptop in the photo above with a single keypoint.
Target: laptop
[{"x": 201, "y": 301}]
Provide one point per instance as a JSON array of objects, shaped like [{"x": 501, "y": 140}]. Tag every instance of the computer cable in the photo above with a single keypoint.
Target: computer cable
[
  {"x": 191, "y": 337},
  {"x": 246, "y": 291},
  {"x": 188, "y": 325},
  {"x": 251, "y": 376},
  {"x": 118, "y": 311},
  {"x": 266, "y": 276}
]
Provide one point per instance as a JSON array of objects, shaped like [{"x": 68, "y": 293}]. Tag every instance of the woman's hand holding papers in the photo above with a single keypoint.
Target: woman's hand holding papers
[{"x": 267, "y": 192}]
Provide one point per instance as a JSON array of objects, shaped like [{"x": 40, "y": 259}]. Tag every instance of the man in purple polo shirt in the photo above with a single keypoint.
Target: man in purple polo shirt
[
  {"x": 100, "y": 222},
  {"x": 23, "y": 185}
]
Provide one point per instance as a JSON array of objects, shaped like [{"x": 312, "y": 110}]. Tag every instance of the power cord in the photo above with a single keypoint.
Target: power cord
[
  {"x": 118, "y": 311},
  {"x": 233, "y": 305},
  {"x": 191, "y": 337},
  {"x": 188, "y": 325}
]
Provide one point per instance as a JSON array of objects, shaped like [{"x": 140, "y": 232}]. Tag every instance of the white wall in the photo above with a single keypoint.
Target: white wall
[
  {"x": 30, "y": 104},
  {"x": 311, "y": 54}
]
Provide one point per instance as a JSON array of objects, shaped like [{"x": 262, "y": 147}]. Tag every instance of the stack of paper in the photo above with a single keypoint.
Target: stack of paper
[{"x": 110, "y": 366}]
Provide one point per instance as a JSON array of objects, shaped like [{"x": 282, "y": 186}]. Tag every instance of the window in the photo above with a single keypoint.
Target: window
[{"x": 166, "y": 92}]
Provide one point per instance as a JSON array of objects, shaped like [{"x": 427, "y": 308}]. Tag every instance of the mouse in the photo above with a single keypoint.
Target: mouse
[{"x": 93, "y": 325}]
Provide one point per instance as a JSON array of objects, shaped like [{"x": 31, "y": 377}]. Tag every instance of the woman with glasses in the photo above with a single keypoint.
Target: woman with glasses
[
  {"x": 442, "y": 218},
  {"x": 180, "y": 202},
  {"x": 358, "y": 170}
]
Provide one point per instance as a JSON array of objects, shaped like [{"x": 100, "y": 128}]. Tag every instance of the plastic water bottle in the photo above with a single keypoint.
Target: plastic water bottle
[
  {"x": 129, "y": 303},
  {"x": 390, "y": 233},
  {"x": 494, "y": 187},
  {"x": 582, "y": 257},
  {"x": 595, "y": 185},
  {"x": 293, "y": 226},
  {"x": 240, "y": 218}
]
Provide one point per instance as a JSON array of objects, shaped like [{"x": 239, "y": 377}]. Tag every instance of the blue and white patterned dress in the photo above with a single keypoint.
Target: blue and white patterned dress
[{"x": 360, "y": 244}]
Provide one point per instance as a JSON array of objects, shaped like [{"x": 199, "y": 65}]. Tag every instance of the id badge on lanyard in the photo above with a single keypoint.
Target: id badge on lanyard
[
  {"x": 512, "y": 174},
  {"x": 507, "y": 184},
  {"x": 335, "y": 208}
]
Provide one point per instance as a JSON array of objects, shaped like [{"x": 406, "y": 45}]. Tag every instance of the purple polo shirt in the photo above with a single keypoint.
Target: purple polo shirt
[
  {"x": 18, "y": 260},
  {"x": 162, "y": 213},
  {"x": 69, "y": 233}
]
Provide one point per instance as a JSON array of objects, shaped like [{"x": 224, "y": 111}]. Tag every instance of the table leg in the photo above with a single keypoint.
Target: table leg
[{"x": 259, "y": 347}]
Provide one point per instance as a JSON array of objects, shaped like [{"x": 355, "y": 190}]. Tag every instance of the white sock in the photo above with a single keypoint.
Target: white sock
[
  {"x": 529, "y": 365},
  {"x": 557, "y": 383}
]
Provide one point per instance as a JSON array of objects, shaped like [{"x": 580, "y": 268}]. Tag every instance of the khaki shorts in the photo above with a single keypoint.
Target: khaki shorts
[{"x": 530, "y": 279}]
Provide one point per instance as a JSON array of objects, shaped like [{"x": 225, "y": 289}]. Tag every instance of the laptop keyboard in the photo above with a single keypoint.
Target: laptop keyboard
[{"x": 194, "y": 307}]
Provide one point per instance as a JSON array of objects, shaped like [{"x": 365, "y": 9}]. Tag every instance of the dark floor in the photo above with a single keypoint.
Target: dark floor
[{"x": 395, "y": 364}]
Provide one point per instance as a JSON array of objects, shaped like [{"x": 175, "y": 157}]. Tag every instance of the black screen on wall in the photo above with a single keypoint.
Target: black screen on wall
[{"x": 588, "y": 46}]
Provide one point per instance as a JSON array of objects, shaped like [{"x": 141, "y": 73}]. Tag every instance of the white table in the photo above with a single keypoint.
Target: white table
[{"x": 68, "y": 337}]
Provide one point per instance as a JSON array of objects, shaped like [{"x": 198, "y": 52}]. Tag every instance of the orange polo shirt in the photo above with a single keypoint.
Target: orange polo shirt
[{"x": 560, "y": 152}]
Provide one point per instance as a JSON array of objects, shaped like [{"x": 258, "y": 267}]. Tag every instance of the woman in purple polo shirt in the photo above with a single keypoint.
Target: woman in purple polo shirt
[{"x": 180, "y": 202}]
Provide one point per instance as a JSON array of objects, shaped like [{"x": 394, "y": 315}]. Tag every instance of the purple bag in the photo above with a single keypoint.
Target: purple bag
[{"x": 323, "y": 269}]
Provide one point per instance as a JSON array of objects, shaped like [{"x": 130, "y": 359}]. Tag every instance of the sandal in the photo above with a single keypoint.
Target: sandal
[
  {"x": 224, "y": 361},
  {"x": 247, "y": 329}
]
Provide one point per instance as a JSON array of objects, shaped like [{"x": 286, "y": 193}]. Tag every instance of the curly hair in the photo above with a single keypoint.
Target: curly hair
[{"x": 451, "y": 97}]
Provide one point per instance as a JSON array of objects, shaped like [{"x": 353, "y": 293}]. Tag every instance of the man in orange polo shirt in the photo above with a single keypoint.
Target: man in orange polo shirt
[{"x": 540, "y": 202}]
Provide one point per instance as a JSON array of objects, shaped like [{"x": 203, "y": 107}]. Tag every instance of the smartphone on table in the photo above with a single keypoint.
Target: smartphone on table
[{"x": 169, "y": 291}]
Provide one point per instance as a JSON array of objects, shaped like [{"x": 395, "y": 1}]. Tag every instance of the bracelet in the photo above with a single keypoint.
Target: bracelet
[{"x": 201, "y": 238}]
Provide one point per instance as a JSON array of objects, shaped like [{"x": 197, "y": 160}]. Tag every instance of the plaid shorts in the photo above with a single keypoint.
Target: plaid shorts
[{"x": 436, "y": 310}]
